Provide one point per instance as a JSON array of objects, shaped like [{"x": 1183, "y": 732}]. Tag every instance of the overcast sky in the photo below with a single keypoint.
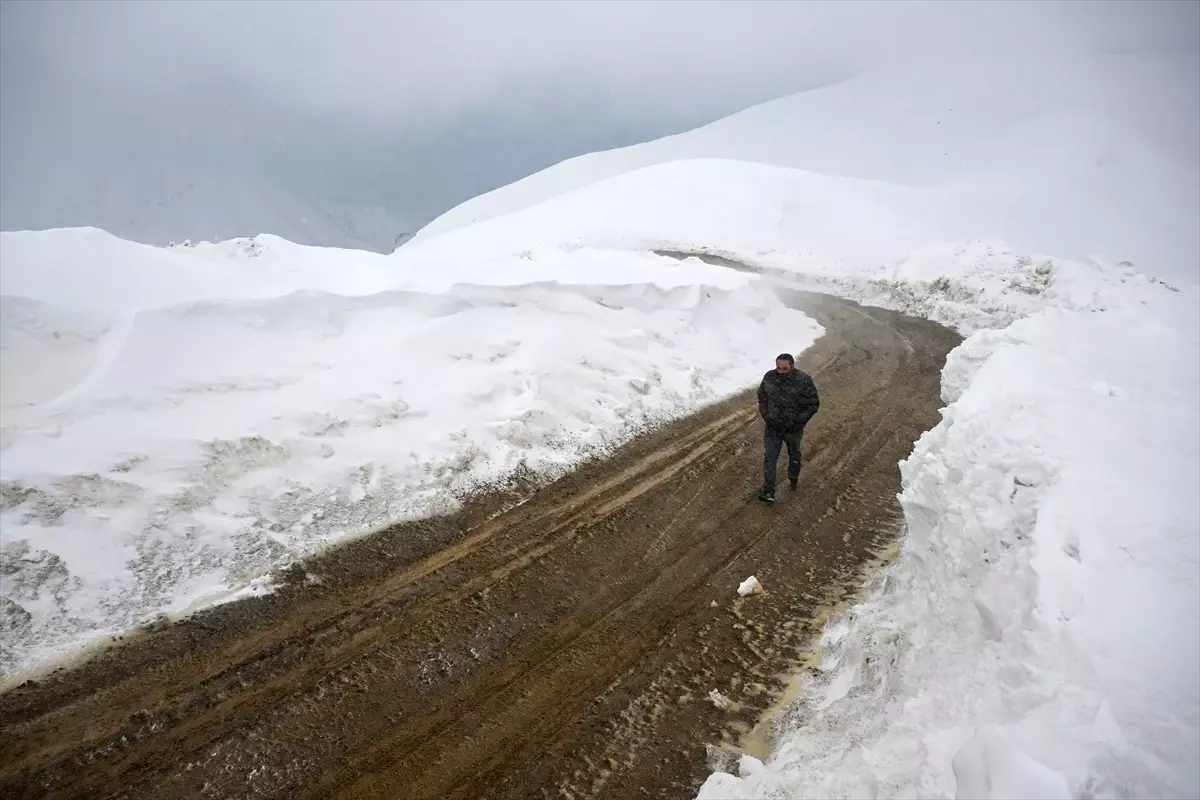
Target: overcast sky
[{"x": 415, "y": 106}]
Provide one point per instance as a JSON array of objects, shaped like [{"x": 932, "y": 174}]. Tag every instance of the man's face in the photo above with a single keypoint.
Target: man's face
[{"x": 782, "y": 366}]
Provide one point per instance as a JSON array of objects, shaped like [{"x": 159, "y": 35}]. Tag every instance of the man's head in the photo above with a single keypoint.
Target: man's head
[{"x": 784, "y": 363}]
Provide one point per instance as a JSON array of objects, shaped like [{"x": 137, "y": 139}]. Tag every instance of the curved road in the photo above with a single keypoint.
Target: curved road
[{"x": 564, "y": 647}]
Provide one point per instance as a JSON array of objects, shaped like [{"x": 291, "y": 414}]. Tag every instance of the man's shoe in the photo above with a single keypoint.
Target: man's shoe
[
  {"x": 792, "y": 484},
  {"x": 767, "y": 495}
]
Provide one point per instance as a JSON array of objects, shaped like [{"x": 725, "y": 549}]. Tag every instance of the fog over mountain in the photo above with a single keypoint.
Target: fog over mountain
[{"x": 353, "y": 124}]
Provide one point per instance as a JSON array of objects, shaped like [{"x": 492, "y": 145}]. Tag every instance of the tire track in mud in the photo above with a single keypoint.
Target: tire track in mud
[{"x": 562, "y": 646}]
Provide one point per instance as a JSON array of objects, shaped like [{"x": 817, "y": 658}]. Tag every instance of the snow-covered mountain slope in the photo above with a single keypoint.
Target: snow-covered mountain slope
[
  {"x": 1072, "y": 155},
  {"x": 787, "y": 216}
]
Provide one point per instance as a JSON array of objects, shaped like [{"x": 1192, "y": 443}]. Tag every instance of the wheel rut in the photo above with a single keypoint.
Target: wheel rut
[{"x": 555, "y": 644}]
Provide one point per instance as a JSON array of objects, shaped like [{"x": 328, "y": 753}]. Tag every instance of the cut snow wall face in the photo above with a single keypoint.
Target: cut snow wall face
[{"x": 1038, "y": 634}]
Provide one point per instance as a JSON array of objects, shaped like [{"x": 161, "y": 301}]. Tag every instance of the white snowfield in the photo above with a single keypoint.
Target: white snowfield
[
  {"x": 1067, "y": 154},
  {"x": 197, "y": 416}
]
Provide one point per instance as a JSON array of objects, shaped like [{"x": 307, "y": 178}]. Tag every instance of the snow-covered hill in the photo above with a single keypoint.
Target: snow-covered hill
[
  {"x": 185, "y": 419},
  {"x": 1070, "y": 155}
]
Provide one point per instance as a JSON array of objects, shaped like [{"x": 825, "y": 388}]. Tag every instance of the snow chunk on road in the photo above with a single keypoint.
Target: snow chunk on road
[
  {"x": 749, "y": 586},
  {"x": 719, "y": 700}
]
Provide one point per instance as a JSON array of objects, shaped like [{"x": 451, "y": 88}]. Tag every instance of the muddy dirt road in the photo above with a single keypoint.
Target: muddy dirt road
[{"x": 566, "y": 647}]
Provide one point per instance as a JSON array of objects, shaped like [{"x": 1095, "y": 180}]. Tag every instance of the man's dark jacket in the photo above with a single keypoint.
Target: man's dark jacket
[{"x": 787, "y": 402}]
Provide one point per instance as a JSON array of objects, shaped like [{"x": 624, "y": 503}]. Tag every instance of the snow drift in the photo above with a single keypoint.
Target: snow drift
[
  {"x": 784, "y": 217},
  {"x": 199, "y": 417}
]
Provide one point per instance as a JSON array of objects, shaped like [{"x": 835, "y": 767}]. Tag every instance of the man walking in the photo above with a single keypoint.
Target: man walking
[{"x": 787, "y": 400}]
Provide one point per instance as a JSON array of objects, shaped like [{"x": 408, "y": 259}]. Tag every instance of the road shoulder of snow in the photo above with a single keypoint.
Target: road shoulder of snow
[{"x": 1037, "y": 635}]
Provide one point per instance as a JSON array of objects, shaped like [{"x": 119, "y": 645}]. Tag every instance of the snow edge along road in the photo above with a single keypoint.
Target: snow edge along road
[{"x": 1014, "y": 581}]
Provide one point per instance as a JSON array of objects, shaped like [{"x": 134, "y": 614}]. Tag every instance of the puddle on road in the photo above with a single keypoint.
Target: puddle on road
[{"x": 760, "y": 740}]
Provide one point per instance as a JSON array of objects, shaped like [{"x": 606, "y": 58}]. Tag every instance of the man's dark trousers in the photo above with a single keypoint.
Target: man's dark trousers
[{"x": 773, "y": 442}]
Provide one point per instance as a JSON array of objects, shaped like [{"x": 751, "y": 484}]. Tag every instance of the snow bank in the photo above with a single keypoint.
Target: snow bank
[
  {"x": 1038, "y": 635},
  {"x": 87, "y": 268},
  {"x": 1068, "y": 154},
  {"x": 981, "y": 284},
  {"x": 199, "y": 418}
]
